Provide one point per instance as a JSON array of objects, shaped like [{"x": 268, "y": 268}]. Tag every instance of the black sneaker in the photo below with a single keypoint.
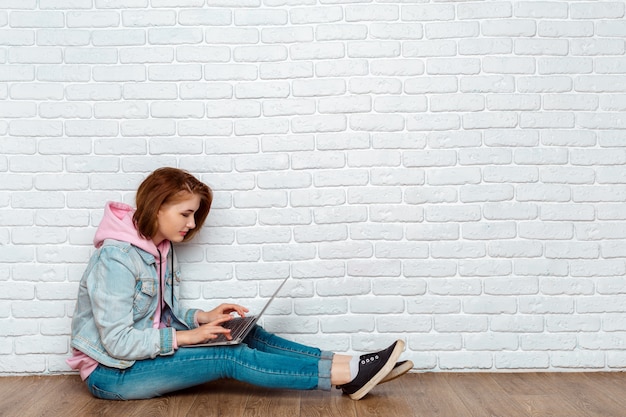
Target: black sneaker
[
  {"x": 399, "y": 369},
  {"x": 373, "y": 367}
]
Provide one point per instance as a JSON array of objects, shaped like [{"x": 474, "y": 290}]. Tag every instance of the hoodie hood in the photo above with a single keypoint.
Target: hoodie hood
[{"x": 117, "y": 223}]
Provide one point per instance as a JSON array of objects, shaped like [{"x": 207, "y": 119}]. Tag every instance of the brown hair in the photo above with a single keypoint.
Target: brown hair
[{"x": 169, "y": 185}]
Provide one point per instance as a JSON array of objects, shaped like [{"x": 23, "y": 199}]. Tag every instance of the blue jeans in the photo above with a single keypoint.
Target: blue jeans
[{"x": 263, "y": 359}]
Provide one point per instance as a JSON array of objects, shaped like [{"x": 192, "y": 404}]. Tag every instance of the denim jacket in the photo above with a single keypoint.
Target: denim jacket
[{"x": 117, "y": 300}]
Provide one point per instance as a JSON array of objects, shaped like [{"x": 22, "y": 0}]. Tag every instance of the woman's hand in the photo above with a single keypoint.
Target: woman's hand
[
  {"x": 205, "y": 332},
  {"x": 221, "y": 310}
]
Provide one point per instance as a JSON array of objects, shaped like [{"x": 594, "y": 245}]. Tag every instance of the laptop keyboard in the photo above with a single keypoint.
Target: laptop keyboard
[{"x": 237, "y": 325}]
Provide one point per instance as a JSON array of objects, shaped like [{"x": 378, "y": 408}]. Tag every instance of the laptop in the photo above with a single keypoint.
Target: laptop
[{"x": 239, "y": 326}]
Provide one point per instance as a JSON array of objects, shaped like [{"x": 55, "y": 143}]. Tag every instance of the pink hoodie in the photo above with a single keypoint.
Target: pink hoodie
[{"x": 117, "y": 223}]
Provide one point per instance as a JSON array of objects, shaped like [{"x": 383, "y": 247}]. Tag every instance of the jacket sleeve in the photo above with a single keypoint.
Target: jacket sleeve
[
  {"x": 187, "y": 319},
  {"x": 112, "y": 291}
]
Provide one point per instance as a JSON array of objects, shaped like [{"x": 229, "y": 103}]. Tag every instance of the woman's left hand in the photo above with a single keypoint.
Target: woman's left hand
[{"x": 208, "y": 316}]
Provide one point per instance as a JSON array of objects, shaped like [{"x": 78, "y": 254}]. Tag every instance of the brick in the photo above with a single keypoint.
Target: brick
[
  {"x": 264, "y": 53},
  {"x": 339, "y": 31},
  {"x": 83, "y": 128},
  {"x": 593, "y": 47},
  {"x": 382, "y": 305},
  {"x": 430, "y": 48},
  {"x": 202, "y": 54},
  {"x": 350, "y": 104},
  {"x": 41, "y": 19},
  {"x": 308, "y": 88},
  {"x": 565, "y": 138},
  {"x": 447, "y": 30},
  {"x": 345, "y": 250},
  {"x": 373, "y": 49},
  {"x": 540, "y": 267},
  {"x": 565, "y": 29},
  {"x": 396, "y": 67},
  {"x": 17, "y": 73},
  {"x": 194, "y": 90},
  {"x": 565, "y": 212},
  {"x": 512, "y": 249},
  {"x": 453, "y": 140},
  {"x": 231, "y": 35},
  {"x": 344, "y": 325},
  {"x": 173, "y": 72},
  {"x": 598, "y": 83},
  {"x": 286, "y": 70},
  {"x": 287, "y": 35},
  {"x": 266, "y": 89},
  {"x": 609, "y": 28},
  {"x": 456, "y": 66},
  {"x": 188, "y": 109},
  {"x": 533, "y": 84},
  {"x": 174, "y": 36},
  {"x": 509, "y": 27},
  {"x": 507, "y": 65},
  {"x": 607, "y": 10},
  {"x": 443, "y": 84},
  {"x": 522, "y": 360},
  {"x": 485, "y": 46},
  {"x": 286, "y": 143},
  {"x": 499, "y": 9},
  {"x": 326, "y": 307},
  {"x": 454, "y": 323},
  {"x": 376, "y": 232},
  {"x": 148, "y": 18},
  {"x": 308, "y": 15},
  {"x": 260, "y": 17},
  {"x": 489, "y": 305},
  {"x": 117, "y": 110},
  {"x": 574, "y": 360},
  {"x": 428, "y": 12},
  {"x": 491, "y": 341},
  {"x": 396, "y": 30},
  {"x": 292, "y": 252}
]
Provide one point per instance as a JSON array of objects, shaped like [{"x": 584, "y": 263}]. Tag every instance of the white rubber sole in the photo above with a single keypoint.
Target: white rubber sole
[{"x": 398, "y": 371}]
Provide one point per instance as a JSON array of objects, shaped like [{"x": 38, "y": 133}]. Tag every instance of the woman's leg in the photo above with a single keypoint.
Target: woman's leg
[
  {"x": 264, "y": 341},
  {"x": 369, "y": 369},
  {"x": 193, "y": 366}
]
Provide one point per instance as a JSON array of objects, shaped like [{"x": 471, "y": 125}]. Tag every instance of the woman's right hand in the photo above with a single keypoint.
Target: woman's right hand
[{"x": 205, "y": 332}]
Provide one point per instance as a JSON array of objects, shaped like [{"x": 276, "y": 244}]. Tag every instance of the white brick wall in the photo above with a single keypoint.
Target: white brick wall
[{"x": 447, "y": 172}]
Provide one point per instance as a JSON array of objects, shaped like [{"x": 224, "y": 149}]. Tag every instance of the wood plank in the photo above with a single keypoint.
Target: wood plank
[
  {"x": 317, "y": 403},
  {"x": 432, "y": 396},
  {"x": 482, "y": 396},
  {"x": 64, "y": 396},
  {"x": 536, "y": 394},
  {"x": 220, "y": 398},
  {"x": 273, "y": 402},
  {"x": 9, "y": 388},
  {"x": 523, "y": 384},
  {"x": 612, "y": 385},
  {"x": 28, "y": 388},
  {"x": 389, "y": 399},
  {"x": 585, "y": 396}
]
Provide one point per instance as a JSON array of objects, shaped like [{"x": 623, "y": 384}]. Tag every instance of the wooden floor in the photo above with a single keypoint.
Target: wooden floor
[{"x": 426, "y": 394}]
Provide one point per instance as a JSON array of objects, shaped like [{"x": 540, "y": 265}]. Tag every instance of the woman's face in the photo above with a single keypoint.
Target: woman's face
[{"x": 176, "y": 219}]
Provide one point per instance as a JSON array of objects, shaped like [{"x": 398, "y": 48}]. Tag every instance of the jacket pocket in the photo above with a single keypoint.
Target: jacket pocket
[{"x": 145, "y": 291}]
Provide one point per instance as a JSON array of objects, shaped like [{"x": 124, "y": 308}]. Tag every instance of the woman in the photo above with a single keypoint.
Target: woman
[{"x": 129, "y": 330}]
